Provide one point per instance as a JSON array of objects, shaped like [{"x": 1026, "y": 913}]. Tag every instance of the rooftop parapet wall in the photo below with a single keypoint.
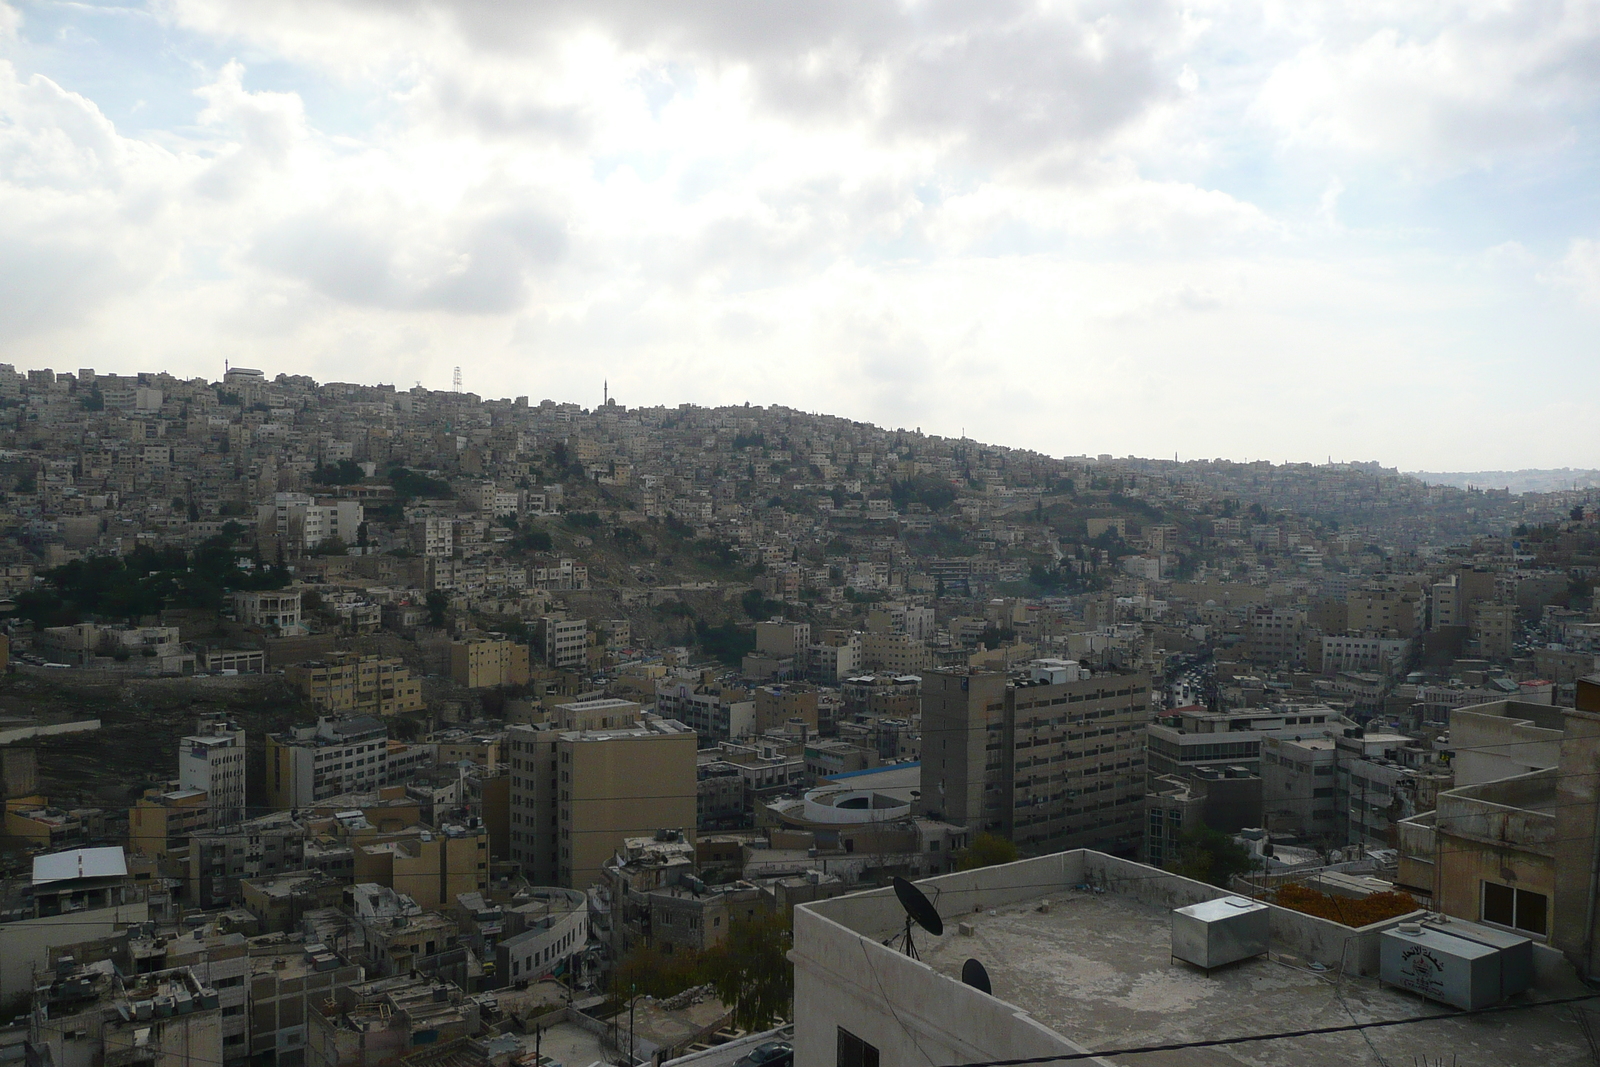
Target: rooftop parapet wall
[
  {"x": 877, "y": 913},
  {"x": 1518, "y": 811}
]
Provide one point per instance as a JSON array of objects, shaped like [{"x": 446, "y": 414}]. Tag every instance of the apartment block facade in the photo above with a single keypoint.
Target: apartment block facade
[
  {"x": 350, "y": 682},
  {"x": 1043, "y": 756},
  {"x": 576, "y": 795}
]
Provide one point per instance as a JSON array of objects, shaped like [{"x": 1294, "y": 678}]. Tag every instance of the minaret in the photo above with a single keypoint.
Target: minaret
[{"x": 605, "y": 393}]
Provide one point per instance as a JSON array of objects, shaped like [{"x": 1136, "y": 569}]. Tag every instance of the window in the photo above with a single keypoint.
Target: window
[
  {"x": 1516, "y": 908},
  {"x": 854, "y": 1052}
]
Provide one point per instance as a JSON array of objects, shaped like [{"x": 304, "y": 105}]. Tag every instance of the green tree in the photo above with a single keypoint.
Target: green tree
[
  {"x": 1207, "y": 855},
  {"x": 344, "y": 472},
  {"x": 646, "y": 971},
  {"x": 750, "y": 970},
  {"x": 437, "y": 603},
  {"x": 986, "y": 850}
]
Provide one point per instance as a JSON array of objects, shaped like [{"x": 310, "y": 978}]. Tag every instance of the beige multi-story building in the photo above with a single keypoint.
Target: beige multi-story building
[
  {"x": 350, "y": 682},
  {"x": 480, "y": 662},
  {"x": 1494, "y": 626},
  {"x": 897, "y": 653},
  {"x": 1383, "y": 611},
  {"x": 783, "y": 639},
  {"x": 1043, "y": 756},
  {"x": 775, "y": 705},
  {"x": 430, "y": 866},
  {"x": 576, "y": 795},
  {"x": 160, "y": 822}
]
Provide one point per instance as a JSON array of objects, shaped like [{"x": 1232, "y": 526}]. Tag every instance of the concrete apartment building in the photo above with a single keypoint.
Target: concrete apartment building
[
  {"x": 1300, "y": 786},
  {"x": 72, "y": 897},
  {"x": 1046, "y": 754},
  {"x": 1494, "y": 626},
  {"x": 836, "y": 656},
  {"x": 307, "y": 764},
  {"x": 480, "y": 662},
  {"x": 564, "y": 642},
  {"x": 1384, "y": 610},
  {"x": 1188, "y": 738},
  {"x": 351, "y": 682},
  {"x": 1223, "y": 801},
  {"x": 577, "y": 794},
  {"x": 713, "y": 713},
  {"x": 161, "y": 821},
  {"x": 1346, "y": 652},
  {"x": 1516, "y": 842},
  {"x": 220, "y": 859},
  {"x": 212, "y": 760},
  {"x": 91, "y": 1016},
  {"x": 272, "y": 608},
  {"x": 430, "y": 866}
]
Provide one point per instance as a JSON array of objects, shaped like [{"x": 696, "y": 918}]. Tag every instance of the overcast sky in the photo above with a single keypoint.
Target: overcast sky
[{"x": 1364, "y": 229}]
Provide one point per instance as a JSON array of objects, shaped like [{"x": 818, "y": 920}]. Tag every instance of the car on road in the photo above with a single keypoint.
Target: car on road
[{"x": 768, "y": 1054}]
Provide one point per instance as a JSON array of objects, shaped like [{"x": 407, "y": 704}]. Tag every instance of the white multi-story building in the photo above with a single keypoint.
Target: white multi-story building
[
  {"x": 303, "y": 522},
  {"x": 1342, "y": 652},
  {"x": 212, "y": 760},
  {"x": 310, "y": 763},
  {"x": 268, "y": 607},
  {"x": 565, "y": 642}
]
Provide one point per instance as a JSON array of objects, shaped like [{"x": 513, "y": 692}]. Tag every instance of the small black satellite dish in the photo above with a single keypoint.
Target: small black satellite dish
[
  {"x": 919, "y": 910},
  {"x": 974, "y": 975}
]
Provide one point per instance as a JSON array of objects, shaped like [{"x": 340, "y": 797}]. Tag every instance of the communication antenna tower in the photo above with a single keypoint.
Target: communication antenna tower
[{"x": 458, "y": 380}]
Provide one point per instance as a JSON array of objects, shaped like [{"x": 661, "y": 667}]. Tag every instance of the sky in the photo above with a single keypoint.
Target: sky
[{"x": 1354, "y": 230}]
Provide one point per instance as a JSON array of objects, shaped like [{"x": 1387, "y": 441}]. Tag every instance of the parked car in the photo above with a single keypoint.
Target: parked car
[{"x": 768, "y": 1054}]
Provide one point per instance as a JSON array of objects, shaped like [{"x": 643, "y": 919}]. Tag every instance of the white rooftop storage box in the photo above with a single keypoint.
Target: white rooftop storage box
[
  {"x": 1450, "y": 970},
  {"x": 1217, "y": 932}
]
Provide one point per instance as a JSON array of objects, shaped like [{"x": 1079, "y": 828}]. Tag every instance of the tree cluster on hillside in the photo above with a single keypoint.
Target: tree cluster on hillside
[{"x": 148, "y": 580}]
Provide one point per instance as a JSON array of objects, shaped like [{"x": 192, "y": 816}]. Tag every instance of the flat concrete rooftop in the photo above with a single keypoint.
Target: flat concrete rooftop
[{"x": 1097, "y": 969}]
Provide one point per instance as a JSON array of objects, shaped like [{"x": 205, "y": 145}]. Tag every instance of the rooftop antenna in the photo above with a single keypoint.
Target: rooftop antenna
[
  {"x": 919, "y": 910},
  {"x": 974, "y": 974},
  {"x": 458, "y": 380}
]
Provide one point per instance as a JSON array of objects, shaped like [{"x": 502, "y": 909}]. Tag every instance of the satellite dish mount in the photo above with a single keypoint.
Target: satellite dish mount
[{"x": 919, "y": 911}]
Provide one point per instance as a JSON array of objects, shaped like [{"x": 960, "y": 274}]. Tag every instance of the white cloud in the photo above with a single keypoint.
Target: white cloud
[
  {"x": 1079, "y": 226},
  {"x": 1580, "y": 269},
  {"x": 1437, "y": 90}
]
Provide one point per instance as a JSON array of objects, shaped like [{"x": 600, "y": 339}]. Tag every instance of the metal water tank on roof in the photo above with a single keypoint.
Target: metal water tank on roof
[
  {"x": 1217, "y": 932},
  {"x": 1516, "y": 951},
  {"x": 1450, "y": 970}
]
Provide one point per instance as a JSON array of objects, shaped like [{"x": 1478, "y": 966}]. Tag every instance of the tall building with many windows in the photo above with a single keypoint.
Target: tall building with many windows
[
  {"x": 212, "y": 760},
  {"x": 576, "y": 795},
  {"x": 1047, "y": 756},
  {"x": 310, "y": 763}
]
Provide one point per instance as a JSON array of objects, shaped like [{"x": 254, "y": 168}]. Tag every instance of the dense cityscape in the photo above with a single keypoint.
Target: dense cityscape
[{"x": 356, "y": 725}]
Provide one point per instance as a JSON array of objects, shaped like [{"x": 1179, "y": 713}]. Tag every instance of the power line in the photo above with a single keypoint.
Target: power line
[{"x": 1279, "y": 1035}]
